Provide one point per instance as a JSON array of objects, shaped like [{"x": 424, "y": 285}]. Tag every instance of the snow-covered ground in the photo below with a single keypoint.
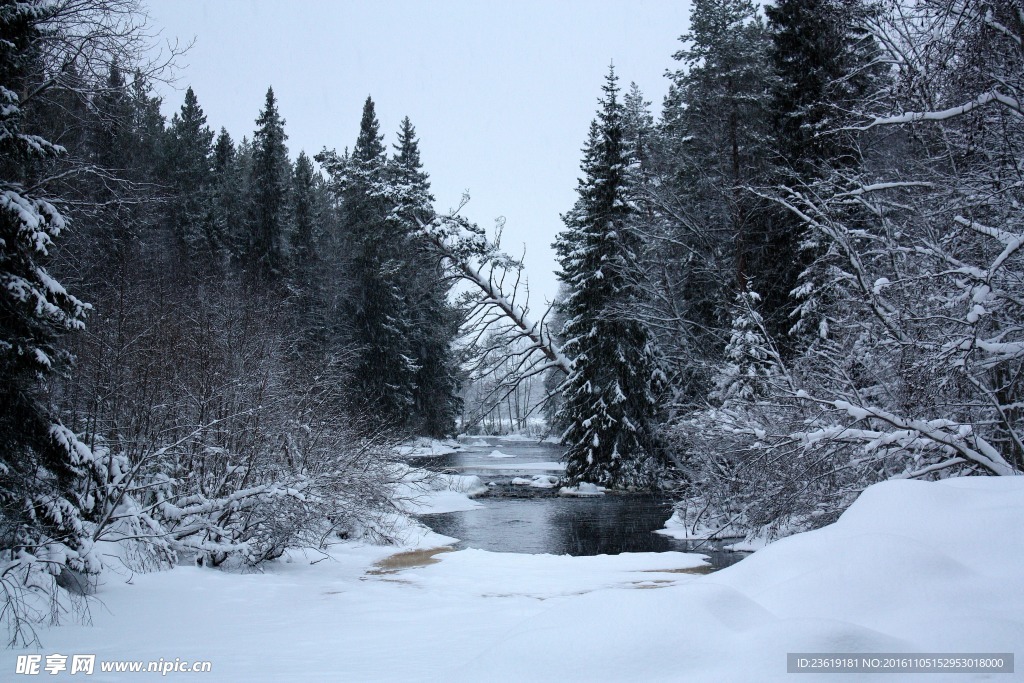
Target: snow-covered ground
[{"x": 912, "y": 566}]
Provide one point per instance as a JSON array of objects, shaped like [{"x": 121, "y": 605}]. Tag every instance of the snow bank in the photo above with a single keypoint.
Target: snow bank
[
  {"x": 422, "y": 492},
  {"x": 425, "y": 448},
  {"x": 679, "y": 528},
  {"x": 911, "y": 567},
  {"x": 499, "y": 454}
]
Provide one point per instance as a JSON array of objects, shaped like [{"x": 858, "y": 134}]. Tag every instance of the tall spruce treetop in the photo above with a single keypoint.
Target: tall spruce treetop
[
  {"x": 305, "y": 214},
  {"x": 269, "y": 192},
  {"x": 370, "y": 143},
  {"x": 608, "y": 398},
  {"x": 434, "y": 322},
  {"x": 191, "y": 142},
  {"x": 386, "y": 367}
]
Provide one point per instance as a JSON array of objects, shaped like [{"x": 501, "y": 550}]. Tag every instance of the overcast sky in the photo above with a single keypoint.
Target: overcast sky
[{"x": 501, "y": 93}]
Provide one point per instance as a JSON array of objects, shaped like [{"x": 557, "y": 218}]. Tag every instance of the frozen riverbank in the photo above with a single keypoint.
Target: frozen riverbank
[{"x": 912, "y": 566}]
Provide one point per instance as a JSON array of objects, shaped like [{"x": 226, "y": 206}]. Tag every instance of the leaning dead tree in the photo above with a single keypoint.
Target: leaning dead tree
[{"x": 504, "y": 340}]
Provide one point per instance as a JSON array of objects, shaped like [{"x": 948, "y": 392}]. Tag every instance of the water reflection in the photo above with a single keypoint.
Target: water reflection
[
  {"x": 610, "y": 524},
  {"x": 571, "y": 526}
]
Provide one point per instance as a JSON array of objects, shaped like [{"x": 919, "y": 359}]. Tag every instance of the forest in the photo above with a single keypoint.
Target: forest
[{"x": 800, "y": 277}]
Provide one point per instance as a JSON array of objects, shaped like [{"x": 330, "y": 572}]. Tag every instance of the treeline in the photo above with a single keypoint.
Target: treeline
[
  {"x": 250, "y": 335},
  {"x": 804, "y": 276}
]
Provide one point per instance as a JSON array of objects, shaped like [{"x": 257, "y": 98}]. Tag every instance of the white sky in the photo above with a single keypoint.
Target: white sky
[{"x": 501, "y": 93}]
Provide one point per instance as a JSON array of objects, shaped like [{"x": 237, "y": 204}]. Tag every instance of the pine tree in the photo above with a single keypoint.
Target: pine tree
[
  {"x": 608, "y": 398},
  {"x": 306, "y": 211},
  {"x": 750, "y": 363},
  {"x": 269, "y": 189},
  {"x": 823, "y": 60},
  {"x": 40, "y": 460}
]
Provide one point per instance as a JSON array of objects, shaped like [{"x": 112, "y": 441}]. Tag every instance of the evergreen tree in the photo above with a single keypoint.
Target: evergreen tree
[
  {"x": 269, "y": 189},
  {"x": 40, "y": 459},
  {"x": 750, "y": 363},
  {"x": 824, "y": 65},
  {"x": 227, "y": 196},
  {"x": 716, "y": 123},
  {"x": 381, "y": 330},
  {"x": 434, "y": 320},
  {"x": 608, "y": 398},
  {"x": 190, "y": 143},
  {"x": 308, "y": 272},
  {"x": 306, "y": 211}
]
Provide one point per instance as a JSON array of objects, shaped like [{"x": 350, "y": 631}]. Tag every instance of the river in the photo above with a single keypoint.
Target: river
[{"x": 522, "y": 519}]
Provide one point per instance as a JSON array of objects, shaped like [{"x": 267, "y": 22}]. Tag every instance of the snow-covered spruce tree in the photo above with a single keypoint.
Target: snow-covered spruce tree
[
  {"x": 825, "y": 63},
  {"x": 189, "y": 159},
  {"x": 378, "y": 325},
  {"x": 227, "y": 196},
  {"x": 914, "y": 370},
  {"x": 270, "y": 183},
  {"x": 608, "y": 398},
  {"x": 751, "y": 362},
  {"x": 41, "y": 461},
  {"x": 712, "y": 144},
  {"x": 434, "y": 319}
]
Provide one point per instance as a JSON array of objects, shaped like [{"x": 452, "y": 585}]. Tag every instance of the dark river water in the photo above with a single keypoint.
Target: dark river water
[{"x": 521, "y": 519}]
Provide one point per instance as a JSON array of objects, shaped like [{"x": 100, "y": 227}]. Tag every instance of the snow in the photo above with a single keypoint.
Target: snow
[
  {"x": 516, "y": 438},
  {"x": 421, "y": 448},
  {"x": 421, "y": 492},
  {"x": 582, "y": 490},
  {"x": 547, "y": 466},
  {"x": 469, "y": 441},
  {"x": 676, "y": 527},
  {"x": 499, "y": 454},
  {"x": 912, "y": 566},
  {"x": 537, "y": 481}
]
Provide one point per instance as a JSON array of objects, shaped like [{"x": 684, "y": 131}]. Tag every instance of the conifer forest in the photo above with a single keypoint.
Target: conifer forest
[{"x": 798, "y": 277}]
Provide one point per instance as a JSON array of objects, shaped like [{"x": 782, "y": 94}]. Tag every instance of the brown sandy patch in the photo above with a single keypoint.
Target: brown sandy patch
[{"x": 412, "y": 558}]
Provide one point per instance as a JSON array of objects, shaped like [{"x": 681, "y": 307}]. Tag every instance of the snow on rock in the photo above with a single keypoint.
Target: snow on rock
[
  {"x": 537, "y": 481},
  {"x": 582, "y": 490},
  {"x": 912, "y": 566},
  {"x": 499, "y": 454}
]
